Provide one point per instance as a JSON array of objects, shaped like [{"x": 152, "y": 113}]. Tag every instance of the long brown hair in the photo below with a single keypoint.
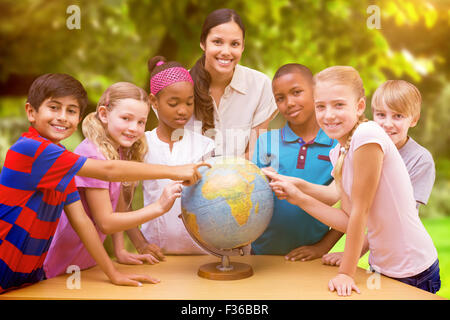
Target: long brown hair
[{"x": 204, "y": 107}]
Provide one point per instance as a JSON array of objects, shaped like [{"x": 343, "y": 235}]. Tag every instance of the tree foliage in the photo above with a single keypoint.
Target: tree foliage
[{"x": 116, "y": 38}]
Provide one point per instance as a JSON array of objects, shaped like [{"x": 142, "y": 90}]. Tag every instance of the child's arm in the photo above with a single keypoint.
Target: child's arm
[
  {"x": 125, "y": 257},
  {"x": 335, "y": 258},
  {"x": 333, "y": 217},
  {"x": 120, "y": 170},
  {"x": 122, "y": 255},
  {"x": 327, "y": 194},
  {"x": 111, "y": 222},
  {"x": 367, "y": 164},
  {"x": 142, "y": 246},
  {"x": 88, "y": 234},
  {"x": 317, "y": 250}
]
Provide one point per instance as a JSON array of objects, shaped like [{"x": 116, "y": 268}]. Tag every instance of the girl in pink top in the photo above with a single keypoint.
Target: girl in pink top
[
  {"x": 373, "y": 185},
  {"x": 114, "y": 131}
]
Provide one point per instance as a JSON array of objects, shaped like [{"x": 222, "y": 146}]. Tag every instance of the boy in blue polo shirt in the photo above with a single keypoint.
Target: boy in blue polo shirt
[{"x": 300, "y": 149}]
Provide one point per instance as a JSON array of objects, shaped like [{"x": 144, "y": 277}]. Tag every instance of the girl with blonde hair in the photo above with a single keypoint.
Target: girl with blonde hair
[
  {"x": 373, "y": 185},
  {"x": 115, "y": 131}
]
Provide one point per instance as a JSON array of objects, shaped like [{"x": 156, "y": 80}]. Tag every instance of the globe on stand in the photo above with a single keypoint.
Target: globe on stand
[{"x": 225, "y": 211}]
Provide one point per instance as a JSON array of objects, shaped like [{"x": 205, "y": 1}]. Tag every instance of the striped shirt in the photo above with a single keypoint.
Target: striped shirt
[{"x": 36, "y": 182}]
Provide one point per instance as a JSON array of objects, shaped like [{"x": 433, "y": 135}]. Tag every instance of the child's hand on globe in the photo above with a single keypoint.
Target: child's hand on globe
[
  {"x": 230, "y": 206},
  {"x": 270, "y": 173},
  {"x": 286, "y": 190},
  {"x": 189, "y": 173},
  {"x": 170, "y": 193},
  {"x": 273, "y": 175}
]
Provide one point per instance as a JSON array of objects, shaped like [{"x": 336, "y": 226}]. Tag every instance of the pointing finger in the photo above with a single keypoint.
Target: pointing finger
[
  {"x": 271, "y": 174},
  {"x": 200, "y": 164}
]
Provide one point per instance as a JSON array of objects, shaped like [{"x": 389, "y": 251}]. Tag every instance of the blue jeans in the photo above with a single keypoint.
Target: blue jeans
[{"x": 428, "y": 280}]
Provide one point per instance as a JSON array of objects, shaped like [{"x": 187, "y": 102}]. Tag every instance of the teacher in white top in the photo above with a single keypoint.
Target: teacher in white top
[{"x": 232, "y": 102}]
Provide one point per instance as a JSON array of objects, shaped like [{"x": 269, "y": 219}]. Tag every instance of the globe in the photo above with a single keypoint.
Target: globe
[{"x": 229, "y": 207}]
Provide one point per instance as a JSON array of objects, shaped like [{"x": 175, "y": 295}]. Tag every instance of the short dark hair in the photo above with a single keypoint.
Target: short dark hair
[
  {"x": 56, "y": 85},
  {"x": 292, "y": 68}
]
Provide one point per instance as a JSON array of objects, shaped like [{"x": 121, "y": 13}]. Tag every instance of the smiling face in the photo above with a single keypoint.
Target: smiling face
[
  {"x": 125, "y": 121},
  {"x": 294, "y": 97},
  {"x": 56, "y": 118},
  {"x": 337, "y": 109},
  {"x": 223, "y": 48},
  {"x": 395, "y": 124},
  {"x": 174, "y": 105}
]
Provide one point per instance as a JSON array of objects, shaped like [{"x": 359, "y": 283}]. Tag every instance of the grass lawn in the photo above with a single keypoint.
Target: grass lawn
[{"x": 438, "y": 228}]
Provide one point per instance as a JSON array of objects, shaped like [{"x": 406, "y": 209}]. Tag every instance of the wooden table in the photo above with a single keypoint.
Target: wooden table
[{"x": 273, "y": 279}]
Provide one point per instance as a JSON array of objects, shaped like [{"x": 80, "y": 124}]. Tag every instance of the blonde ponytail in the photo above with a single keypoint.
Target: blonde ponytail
[
  {"x": 343, "y": 152},
  {"x": 94, "y": 131}
]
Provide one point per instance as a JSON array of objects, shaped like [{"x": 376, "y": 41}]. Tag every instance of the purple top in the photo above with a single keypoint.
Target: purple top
[{"x": 66, "y": 248}]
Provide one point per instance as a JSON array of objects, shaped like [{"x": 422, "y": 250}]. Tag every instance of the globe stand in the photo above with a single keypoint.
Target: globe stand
[
  {"x": 225, "y": 266},
  {"x": 225, "y": 270}
]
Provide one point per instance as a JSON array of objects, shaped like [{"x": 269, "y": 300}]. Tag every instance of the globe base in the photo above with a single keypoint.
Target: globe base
[{"x": 212, "y": 271}]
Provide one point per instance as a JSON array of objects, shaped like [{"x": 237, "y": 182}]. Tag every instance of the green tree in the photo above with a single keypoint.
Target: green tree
[{"x": 116, "y": 38}]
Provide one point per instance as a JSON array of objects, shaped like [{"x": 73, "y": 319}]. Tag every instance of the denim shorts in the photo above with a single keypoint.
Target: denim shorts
[{"x": 428, "y": 280}]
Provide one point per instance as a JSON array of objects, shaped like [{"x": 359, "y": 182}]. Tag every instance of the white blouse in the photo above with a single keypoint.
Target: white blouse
[
  {"x": 168, "y": 231},
  {"x": 247, "y": 102}
]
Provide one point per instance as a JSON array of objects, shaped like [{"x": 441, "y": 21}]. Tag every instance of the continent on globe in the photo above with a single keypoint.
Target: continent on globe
[
  {"x": 230, "y": 206},
  {"x": 235, "y": 190},
  {"x": 192, "y": 226}
]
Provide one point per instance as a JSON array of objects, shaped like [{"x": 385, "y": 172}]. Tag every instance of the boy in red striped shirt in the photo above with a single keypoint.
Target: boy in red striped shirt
[{"x": 37, "y": 183}]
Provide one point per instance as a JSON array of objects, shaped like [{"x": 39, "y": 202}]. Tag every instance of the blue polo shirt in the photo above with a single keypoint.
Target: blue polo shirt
[{"x": 290, "y": 226}]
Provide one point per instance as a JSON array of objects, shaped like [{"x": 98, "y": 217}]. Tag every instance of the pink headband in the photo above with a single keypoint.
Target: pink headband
[{"x": 168, "y": 76}]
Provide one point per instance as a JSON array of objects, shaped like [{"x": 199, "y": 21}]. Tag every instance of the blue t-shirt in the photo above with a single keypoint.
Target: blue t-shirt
[{"x": 290, "y": 226}]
